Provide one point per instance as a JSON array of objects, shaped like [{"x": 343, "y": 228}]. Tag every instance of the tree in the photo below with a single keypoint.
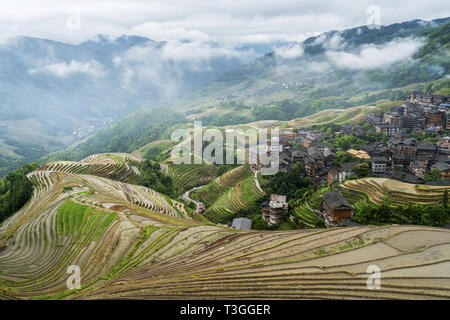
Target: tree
[
  {"x": 343, "y": 156},
  {"x": 153, "y": 178},
  {"x": 445, "y": 198},
  {"x": 362, "y": 170},
  {"x": 434, "y": 175},
  {"x": 15, "y": 190},
  {"x": 345, "y": 142}
]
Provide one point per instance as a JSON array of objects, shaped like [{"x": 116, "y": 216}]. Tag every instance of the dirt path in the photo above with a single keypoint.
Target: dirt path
[
  {"x": 187, "y": 198},
  {"x": 255, "y": 178}
]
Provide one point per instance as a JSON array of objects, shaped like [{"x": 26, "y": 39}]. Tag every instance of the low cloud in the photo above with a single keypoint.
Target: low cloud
[
  {"x": 199, "y": 51},
  {"x": 158, "y": 31},
  {"x": 373, "y": 56},
  {"x": 289, "y": 52},
  {"x": 330, "y": 42},
  {"x": 167, "y": 66},
  {"x": 64, "y": 70}
]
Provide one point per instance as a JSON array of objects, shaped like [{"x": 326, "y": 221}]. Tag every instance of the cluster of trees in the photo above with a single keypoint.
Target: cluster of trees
[
  {"x": 343, "y": 156},
  {"x": 132, "y": 132},
  {"x": 433, "y": 175},
  {"x": 427, "y": 136},
  {"x": 346, "y": 142},
  {"x": 15, "y": 190},
  {"x": 155, "y": 179},
  {"x": 431, "y": 215},
  {"x": 158, "y": 152},
  {"x": 362, "y": 170},
  {"x": 223, "y": 168},
  {"x": 293, "y": 184},
  {"x": 283, "y": 110},
  {"x": 438, "y": 42}
]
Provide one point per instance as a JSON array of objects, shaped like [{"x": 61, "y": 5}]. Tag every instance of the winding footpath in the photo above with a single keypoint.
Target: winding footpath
[
  {"x": 255, "y": 178},
  {"x": 187, "y": 198}
]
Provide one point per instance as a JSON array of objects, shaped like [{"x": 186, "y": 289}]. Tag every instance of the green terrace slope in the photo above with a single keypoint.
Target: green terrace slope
[
  {"x": 378, "y": 189},
  {"x": 118, "y": 166},
  {"x": 131, "y": 242},
  {"x": 187, "y": 176},
  {"x": 228, "y": 193},
  {"x": 354, "y": 115}
]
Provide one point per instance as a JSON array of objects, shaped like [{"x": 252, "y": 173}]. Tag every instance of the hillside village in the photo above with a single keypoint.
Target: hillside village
[{"x": 401, "y": 151}]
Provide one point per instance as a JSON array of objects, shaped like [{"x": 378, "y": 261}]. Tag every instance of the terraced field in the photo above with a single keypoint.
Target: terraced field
[
  {"x": 187, "y": 176},
  {"x": 228, "y": 193},
  {"x": 117, "y": 166},
  {"x": 325, "y": 264},
  {"x": 377, "y": 189},
  {"x": 309, "y": 218},
  {"x": 131, "y": 242}
]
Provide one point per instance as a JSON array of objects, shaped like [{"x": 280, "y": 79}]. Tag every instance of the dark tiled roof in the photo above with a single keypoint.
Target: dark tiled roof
[
  {"x": 296, "y": 152},
  {"x": 398, "y": 156},
  {"x": 406, "y": 177},
  {"x": 425, "y": 146},
  {"x": 421, "y": 157},
  {"x": 242, "y": 223},
  {"x": 380, "y": 160},
  {"x": 441, "y": 158},
  {"x": 335, "y": 200},
  {"x": 349, "y": 166},
  {"x": 367, "y": 148},
  {"x": 409, "y": 141},
  {"x": 416, "y": 164},
  {"x": 441, "y": 166},
  {"x": 439, "y": 183},
  {"x": 321, "y": 144}
]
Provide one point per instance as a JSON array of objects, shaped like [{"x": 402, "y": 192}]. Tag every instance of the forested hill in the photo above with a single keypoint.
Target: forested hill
[
  {"x": 337, "y": 68},
  {"x": 126, "y": 135}
]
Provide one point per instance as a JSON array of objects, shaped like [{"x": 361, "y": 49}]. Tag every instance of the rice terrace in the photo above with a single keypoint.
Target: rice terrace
[{"x": 132, "y": 242}]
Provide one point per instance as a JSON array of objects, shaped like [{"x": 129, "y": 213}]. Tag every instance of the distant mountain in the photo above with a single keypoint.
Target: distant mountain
[
  {"x": 334, "y": 67},
  {"x": 53, "y": 94}
]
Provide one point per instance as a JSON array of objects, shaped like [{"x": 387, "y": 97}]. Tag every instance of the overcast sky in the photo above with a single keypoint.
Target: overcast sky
[{"x": 232, "y": 21}]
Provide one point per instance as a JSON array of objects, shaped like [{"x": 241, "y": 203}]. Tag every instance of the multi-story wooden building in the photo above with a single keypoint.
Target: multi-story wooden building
[
  {"x": 275, "y": 211},
  {"x": 444, "y": 144},
  {"x": 417, "y": 168},
  {"x": 435, "y": 118},
  {"x": 336, "y": 207},
  {"x": 443, "y": 168},
  {"x": 286, "y": 135}
]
